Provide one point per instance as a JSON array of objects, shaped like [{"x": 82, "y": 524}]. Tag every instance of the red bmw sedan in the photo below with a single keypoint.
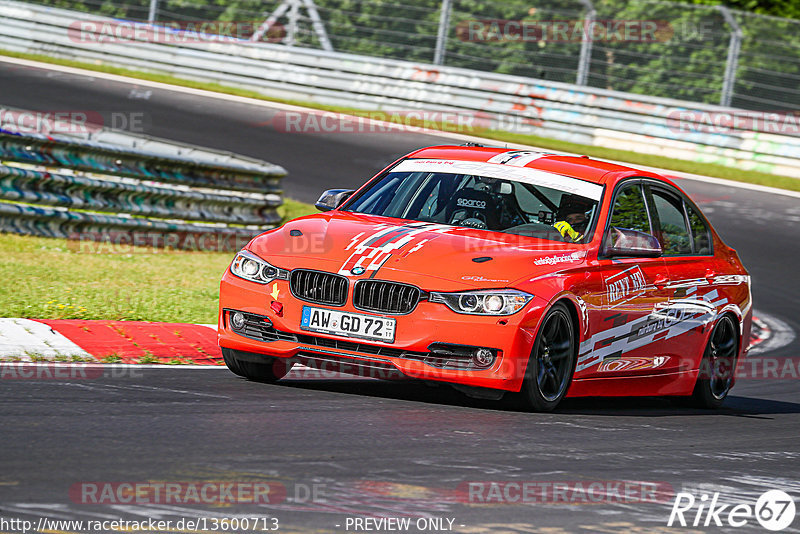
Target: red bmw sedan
[{"x": 496, "y": 271}]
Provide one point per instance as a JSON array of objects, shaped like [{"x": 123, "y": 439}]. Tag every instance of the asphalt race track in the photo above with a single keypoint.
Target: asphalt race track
[{"x": 354, "y": 448}]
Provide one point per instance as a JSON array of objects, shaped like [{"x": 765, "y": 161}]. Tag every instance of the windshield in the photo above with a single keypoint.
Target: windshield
[{"x": 485, "y": 202}]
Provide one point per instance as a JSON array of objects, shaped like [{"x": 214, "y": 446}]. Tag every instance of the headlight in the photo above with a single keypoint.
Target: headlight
[
  {"x": 489, "y": 302},
  {"x": 250, "y": 267}
]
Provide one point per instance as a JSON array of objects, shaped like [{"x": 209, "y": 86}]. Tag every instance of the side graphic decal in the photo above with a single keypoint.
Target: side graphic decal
[
  {"x": 625, "y": 286},
  {"x": 623, "y": 336}
]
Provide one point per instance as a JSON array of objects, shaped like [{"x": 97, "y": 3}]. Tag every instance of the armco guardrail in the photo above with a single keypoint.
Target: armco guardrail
[
  {"x": 161, "y": 195},
  {"x": 666, "y": 127}
]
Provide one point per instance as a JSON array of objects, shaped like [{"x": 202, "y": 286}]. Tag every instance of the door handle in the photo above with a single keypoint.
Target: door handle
[
  {"x": 660, "y": 281},
  {"x": 710, "y": 274}
]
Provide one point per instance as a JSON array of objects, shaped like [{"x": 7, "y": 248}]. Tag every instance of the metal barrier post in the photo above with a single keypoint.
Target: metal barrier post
[
  {"x": 291, "y": 29},
  {"x": 732, "y": 62},
  {"x": 441, "y": 37},
  {"x": 318, "y": 25},
  {"x": 586, "y": 46},
  {"x": 153, "y": 13},
  {"x": 293, "y": 8},
  {"x": 271, "y": 20}
]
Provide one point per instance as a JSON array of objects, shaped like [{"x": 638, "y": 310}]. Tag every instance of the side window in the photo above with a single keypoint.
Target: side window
[
  {"x": 675, "y": 238},
  {"x": 630, "y": 211},
  {"x": 700, "y": 234}
]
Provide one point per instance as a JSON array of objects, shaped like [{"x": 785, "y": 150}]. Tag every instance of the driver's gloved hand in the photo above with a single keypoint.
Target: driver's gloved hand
[{"x": 565, "y": 229}]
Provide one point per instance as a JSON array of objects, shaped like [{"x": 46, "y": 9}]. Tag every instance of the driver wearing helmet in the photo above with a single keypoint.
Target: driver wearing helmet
[{"x": 572, "y": 219}]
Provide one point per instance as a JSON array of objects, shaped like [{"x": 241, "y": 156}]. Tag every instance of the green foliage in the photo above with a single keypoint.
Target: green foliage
[
  {"x": 776, "y": 8},
  {"x": 629, "y": 210},
  {"x": 686, "y": 61}
]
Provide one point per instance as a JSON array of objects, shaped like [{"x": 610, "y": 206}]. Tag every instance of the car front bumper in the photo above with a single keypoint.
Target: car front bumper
[{"x": 429, "y": 326}]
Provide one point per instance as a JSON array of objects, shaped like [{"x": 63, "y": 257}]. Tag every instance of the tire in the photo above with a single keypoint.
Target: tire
[
  {"x": 230, "y": 362},
  {"x": 269, "y": 371},
  {"x": 552, "y": 361},
  {"x": 715, "y": 379}
]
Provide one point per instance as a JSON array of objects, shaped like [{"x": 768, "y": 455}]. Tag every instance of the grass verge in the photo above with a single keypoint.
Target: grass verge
[
  {"x": 291, "y": 209},
  {"x": 705, "y": 169},
  {"x": 47, "y": 278},
  {"x": 51, "y": 278}
]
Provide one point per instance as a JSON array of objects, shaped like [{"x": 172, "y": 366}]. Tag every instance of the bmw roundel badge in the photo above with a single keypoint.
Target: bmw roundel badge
[{"x": 357, "y": 270}]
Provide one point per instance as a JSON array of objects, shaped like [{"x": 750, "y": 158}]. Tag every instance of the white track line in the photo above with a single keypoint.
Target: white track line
[
  {"x": 781, "y": 334},
  {"x": 436, "y": 133}
]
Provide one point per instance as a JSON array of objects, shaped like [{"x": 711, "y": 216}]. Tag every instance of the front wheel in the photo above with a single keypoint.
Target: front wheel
[
  {"x": 552, "y": 361},
  {"x": 715, "y": 379},
  {"x": 270, "y": 370}
]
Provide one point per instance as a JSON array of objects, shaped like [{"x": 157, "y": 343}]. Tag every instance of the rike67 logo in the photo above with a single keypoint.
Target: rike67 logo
[{"x": 774, "y": 510}]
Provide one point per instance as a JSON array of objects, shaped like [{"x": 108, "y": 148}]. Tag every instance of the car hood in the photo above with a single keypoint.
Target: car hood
[{"x": 432, "y": 256}]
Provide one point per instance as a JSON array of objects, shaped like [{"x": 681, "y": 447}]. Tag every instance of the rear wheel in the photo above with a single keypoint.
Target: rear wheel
[
  {"x": 270, "y": 370},
  {"x": 715, "y": 378},
  {"x": 552, "y": 361}
]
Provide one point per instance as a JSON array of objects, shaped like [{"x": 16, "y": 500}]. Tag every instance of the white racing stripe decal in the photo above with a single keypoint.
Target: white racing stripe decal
[
  {"x": 506, "y": 172},
  {"x": 371, "y": 252},
  {"x": 517, "y": 158}
]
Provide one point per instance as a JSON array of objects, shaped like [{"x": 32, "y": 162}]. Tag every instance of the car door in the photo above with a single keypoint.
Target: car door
[
  {"x": 633, "y": 289},
  {"x": 689, "y": 257}
]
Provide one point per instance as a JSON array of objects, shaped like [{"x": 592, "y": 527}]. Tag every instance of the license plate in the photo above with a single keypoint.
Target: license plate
[{"x": 348, "y": 324}]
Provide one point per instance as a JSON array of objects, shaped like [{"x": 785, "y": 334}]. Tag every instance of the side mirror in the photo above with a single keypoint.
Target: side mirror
[
  {"x": 332, "y": 199},
  {"x": 632, "y": 243}
]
